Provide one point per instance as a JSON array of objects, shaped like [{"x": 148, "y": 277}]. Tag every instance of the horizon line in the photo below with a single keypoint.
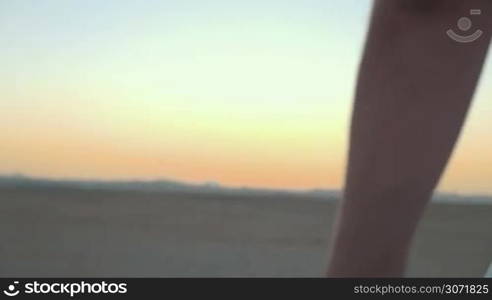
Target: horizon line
[{"x": 208, "y": 183}]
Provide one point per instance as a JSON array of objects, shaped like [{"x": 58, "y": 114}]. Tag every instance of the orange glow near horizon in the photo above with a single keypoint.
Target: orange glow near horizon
[{"x": 244, "y": 93}]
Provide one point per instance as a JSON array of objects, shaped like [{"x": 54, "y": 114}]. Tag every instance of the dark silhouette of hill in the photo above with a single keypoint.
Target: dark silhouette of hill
[
  {"x": 207, "y": 188},
  {"x": 166, "y": 186}
]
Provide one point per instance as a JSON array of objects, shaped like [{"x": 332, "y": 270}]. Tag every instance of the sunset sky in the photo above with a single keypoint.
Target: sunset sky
[{"x": 245, "y": 93}]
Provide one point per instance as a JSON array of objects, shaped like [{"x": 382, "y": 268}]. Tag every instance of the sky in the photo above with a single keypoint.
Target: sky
[{"x": 245, "y": 93}]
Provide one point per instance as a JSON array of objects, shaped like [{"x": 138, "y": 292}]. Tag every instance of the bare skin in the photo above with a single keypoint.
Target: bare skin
[{"x": 414, "y": 89}]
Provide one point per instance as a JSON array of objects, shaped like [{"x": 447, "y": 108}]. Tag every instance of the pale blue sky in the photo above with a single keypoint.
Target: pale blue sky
[{"x": 272, "y": 80}]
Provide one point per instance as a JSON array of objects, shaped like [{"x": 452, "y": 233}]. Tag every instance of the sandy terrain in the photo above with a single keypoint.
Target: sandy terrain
[{"x": 76, "y": 232}]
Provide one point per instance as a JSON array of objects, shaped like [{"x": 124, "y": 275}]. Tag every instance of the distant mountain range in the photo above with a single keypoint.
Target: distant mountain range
[
  {"x": 172, "y": 186},
  {"x": 21, "y": 181}
]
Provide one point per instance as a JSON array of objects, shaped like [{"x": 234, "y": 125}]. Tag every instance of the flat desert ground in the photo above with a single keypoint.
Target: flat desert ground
[{"x": 83, "y": 232}]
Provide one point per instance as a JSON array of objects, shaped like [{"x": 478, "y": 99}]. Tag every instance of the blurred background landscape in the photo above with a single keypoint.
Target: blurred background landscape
[{"x": 241, "y": 106}]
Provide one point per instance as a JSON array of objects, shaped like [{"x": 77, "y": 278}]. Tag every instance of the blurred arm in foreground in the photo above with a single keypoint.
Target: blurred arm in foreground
[{"x": 414, "y": 88}]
